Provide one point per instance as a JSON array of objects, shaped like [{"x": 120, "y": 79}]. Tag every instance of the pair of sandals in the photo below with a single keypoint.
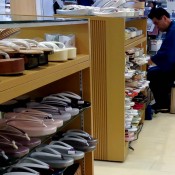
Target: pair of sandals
[
  {"x": 14, "y": 144},
  {"x": 53, "y": 110},
  {"x": 57, "y": 154},
  {"x": 80, "y": 140},
  {"x": 60, "y": 52},
  {"x": 71, "y": 99},
  {"x": 33, "y": 122},
  {"x": 31, "y": 166}
]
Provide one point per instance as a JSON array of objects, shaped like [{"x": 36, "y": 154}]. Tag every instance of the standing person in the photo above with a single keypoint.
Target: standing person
[{"x": 162, "y": 76}]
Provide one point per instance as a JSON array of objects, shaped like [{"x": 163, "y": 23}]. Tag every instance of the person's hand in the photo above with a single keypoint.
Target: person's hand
[{"x": 150, "y": 62}]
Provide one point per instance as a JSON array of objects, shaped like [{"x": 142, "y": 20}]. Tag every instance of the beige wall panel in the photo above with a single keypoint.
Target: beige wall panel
[{"x": 23, "y": 7}]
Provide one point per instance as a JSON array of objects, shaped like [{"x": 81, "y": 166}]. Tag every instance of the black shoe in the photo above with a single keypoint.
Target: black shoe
[
  {"x": 162, "y": 111},
  {"x": 157, "y": 109}
]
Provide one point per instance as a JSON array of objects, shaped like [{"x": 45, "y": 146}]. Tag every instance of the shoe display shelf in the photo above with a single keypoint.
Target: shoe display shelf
[
  {"x": 108, "y": 46},
  {"x": 73, "y": 75}
]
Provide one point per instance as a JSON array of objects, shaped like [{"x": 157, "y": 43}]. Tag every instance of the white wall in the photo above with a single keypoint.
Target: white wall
[{"x": 44, "y": 7}]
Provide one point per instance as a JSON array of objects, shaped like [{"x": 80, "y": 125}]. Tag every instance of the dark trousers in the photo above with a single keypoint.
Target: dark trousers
[{"x": 160, "y": 85}]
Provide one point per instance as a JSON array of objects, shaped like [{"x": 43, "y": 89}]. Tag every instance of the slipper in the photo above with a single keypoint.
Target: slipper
[
  {"x": 78, "y": 143},
  {"x": 83, "y": 134},
  {"x": 49, "y": 109},
  {"x": 46, "y": 117},
  {"x": 66, "y": 150},
  {"x": 33, "y": 127},
  {"x": 52, "y": 157}
]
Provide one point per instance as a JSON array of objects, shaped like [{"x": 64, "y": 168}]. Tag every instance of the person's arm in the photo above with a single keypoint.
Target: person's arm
[{"x": 165, "y": 57}]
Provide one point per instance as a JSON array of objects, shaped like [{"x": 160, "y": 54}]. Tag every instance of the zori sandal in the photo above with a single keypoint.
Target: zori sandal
[
  {"x": 75, "y": 100},
  {"x": 62, "y": 103},
  {"x": 43, "y": 58},
  {"x": 52, "y": 157},
  {"x": 19, "y": 173},
  {"x": 72, "y": 51},
  {"x": 25, "y": 170},
  {"x": 60, "y": 53},
  {"x": 49, "y": 109},
  {"x": 78, "y": 143},
  {"x": 3, "y": 158},
  {"x": 46, "y": 117},
  {"x": 20, "y": 137},
  {"x": 83, "y": 134},
  {"x": 13, "y": 149},
  {"x": 37, "y": 165},
  {"x": 10, "y": 66},
  {"x": 32, "y": 126},
  {"x": 66, "y": 150}
]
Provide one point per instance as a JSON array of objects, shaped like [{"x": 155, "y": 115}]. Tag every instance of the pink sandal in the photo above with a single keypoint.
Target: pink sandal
[{"x": 32, "y": 126}]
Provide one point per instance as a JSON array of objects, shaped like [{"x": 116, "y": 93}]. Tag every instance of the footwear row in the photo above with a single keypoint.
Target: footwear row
[
  {"x": 59, "y": 153},
  {"x": 109, "y": 8},
  {"x": 24, "y": 54}
]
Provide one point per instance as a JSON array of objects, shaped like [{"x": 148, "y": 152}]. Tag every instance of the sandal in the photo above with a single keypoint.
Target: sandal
[
  {"x": 49, "y": 109},
  {"x": 20, "y": 137},
  {"x": 66, "y": 150},
  {"x": 52, "y": 157},
  {"x": 83, "y": 134},
  {"x": 59, "y": 53},
  {"x": 46, "y": 117},
  {"x": 78, "y": 143},
  {"x": 10, "y": 66},
  {"x": 22, "y": 169},
  {"x": 13, "y": 149},
  {"x": 33, "y": 127},
  {"x": 37, "y": 165},
  {"x": 73, "y": 99},
  {"x": 62, "y": 103}
]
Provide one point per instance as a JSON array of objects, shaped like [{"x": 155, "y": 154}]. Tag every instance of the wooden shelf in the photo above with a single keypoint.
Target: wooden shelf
[
  {"x": 130, "y": 43},
  {"x": 38, "y": 77},
  {"x": 108, "y": 93}
]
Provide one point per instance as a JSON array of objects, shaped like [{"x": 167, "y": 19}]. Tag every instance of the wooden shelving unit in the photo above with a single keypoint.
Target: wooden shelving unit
[
  {"x": 108, "y": 46},
  {"x": 56, "y": 77},
  {"x": 38, "y": 77}
]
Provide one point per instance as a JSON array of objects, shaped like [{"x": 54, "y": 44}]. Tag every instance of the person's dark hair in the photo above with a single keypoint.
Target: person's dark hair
[
  {"x": 158, "y": 13},
  {"x": 154, "y": 4}
]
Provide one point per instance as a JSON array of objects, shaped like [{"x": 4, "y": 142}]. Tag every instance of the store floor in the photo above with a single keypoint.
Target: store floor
[{"x": 154, "y": 152}]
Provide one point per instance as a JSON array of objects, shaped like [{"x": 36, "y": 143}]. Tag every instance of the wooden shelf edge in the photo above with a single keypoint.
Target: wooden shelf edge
[
  {"x": 134, "y": 42},
  {"x": 7, "y": 82},
  {"x": 28, "y": 86}
]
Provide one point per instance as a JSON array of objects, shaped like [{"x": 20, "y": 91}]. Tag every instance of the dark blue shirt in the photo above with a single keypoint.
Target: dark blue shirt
[
  {"x": 85, "y": 2},
  {"x": 165, "y": 57}
]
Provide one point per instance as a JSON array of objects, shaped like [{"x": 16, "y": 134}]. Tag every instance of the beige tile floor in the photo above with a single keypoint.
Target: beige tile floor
[{"x": 154, "y": 152}]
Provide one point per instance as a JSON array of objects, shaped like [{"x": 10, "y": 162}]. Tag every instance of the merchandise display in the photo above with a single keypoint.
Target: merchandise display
[
  {"x": 109, "y": 8},
  {"x": 51, "y": 111},
  {"x": 30, "y": 149}
]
